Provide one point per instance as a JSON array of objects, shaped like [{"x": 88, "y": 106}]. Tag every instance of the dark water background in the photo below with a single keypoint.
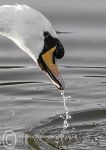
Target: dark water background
[{"x": 30, "y": 104}]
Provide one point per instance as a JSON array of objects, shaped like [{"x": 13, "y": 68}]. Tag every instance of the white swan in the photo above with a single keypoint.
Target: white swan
[{"x": 34, "y": 34}]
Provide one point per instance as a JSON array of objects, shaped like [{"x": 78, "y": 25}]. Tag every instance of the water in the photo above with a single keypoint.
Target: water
[
  {"x": 65, "y": 125},
  {"x": 30, "y": 106}
]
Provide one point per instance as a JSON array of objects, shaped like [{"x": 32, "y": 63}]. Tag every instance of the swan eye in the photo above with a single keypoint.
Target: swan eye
[
  {"x": 59, "y": 52},
  {"x": 46, "y": 34},
  {"x": 50, "y": 42}
]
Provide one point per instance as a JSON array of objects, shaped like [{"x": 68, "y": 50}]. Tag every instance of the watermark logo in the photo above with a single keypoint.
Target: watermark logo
[{"x": 9, "y": 140}]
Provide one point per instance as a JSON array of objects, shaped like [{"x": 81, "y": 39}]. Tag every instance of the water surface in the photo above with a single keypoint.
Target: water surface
[{"x": 29, "y": 103}]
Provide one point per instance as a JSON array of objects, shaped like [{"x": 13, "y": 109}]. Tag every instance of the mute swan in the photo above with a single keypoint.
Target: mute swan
[{"x": 34, "y": 34}]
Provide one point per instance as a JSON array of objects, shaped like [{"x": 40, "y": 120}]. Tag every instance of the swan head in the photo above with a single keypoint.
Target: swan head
[
  {"x": 34, "y": 34},
  {"x": 52, "y": 50}
]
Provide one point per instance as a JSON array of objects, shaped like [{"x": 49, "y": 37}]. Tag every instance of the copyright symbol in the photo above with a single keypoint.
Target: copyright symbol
[{"x": 9, "y": 140}]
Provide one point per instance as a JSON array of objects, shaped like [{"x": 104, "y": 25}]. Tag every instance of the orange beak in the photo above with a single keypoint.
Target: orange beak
[{"x": 50, "y": 67}]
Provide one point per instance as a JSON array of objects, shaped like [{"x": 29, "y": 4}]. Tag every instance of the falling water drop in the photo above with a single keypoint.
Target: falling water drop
[
  {"x": 65, "y": 125},
  {"x": 12, "y": 112}
]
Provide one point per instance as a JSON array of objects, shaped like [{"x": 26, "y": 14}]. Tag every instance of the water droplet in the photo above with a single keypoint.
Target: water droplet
[
  {"x": 65, "y": 124},
  {"x": 12, "y": 112}
]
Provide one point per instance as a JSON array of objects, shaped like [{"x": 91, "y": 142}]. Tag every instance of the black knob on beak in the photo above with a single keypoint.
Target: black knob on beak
[{"x": 59, "y": 52}]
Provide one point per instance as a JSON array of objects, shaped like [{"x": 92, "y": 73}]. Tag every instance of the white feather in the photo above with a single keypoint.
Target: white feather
[{"x": 25, "y": 26}]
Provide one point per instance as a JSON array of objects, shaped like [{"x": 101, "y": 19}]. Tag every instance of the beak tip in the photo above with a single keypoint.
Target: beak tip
[
  {"x": 61, "y": 85},
  {"x": 61, "y": 88}
]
